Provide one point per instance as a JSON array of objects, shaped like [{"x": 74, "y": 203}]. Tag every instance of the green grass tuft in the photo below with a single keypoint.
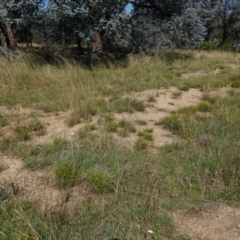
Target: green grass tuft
[{"x": 67, "y": 174}]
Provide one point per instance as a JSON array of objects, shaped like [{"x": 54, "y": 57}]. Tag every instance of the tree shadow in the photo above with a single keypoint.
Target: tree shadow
[{"x": 87, "y": 59}]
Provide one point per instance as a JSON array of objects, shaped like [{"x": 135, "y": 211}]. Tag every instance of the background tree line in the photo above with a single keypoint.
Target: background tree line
[{"x": 104, "y": 24}]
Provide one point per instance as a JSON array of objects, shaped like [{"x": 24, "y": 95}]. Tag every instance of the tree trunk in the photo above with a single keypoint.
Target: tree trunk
[
  {"x": 79, "y": 43},
  {"x": 8, "y": 43},
  {"x": 97, "y": 46}
]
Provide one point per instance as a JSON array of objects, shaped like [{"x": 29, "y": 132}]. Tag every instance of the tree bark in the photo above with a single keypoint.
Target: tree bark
[
  {"x": 8, "y": 43},
  {"x": 97, "y": 46}
]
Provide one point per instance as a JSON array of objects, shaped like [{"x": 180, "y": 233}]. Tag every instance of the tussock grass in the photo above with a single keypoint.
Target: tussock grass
[{"x": 131, "y": 191}]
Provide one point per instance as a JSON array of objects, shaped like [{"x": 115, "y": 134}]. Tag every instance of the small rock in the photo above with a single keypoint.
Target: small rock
[{"x": 4, "y": 193}]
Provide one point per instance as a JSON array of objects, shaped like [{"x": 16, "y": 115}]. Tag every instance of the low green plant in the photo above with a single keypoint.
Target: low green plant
[
  {"x": 146, "y": 134},
  {"x": 100, "y": 182},
  {"x": 176, "y": 95},
  {"x": 126, "y": 105},
  {"x": 37, "y": 127},
  {"x": 204, "y": 106},
  {"x": 184, "y": 87},
  {"x": 172, "y": 122},
  {"x": 141, "y": 122},
  {"x": 141, "y": 144},
  {"x": 151, "y": 98},
  {"x": 207, "y": 46},
  {"x": 23, "y": 133},
  {"x": 126, "y": 125},
  {"x": 67, "y": 174},
  {"x": 3, "y": 121},
  {"x": 2, "y": 167}
]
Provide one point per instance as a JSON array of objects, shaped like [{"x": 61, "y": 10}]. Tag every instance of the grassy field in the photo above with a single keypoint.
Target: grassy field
[{"x": 131, "y": 192}]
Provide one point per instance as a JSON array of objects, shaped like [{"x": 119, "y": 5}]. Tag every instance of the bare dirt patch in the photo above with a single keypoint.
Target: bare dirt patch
[
  {"x": 165, "y": 101},
  {"x": 213, "y": 222},
  {"x": 37, "y": 186}
]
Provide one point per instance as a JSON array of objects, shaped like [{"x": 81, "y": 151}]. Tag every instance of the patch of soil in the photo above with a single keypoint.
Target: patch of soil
[
  {"x": 37, "y": 186},
  {"x": 213, "y": 222},
  {"x": 164, "y": 103}
]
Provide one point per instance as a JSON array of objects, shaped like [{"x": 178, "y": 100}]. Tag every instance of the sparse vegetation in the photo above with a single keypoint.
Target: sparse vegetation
[{"x": 121, "y": 185}]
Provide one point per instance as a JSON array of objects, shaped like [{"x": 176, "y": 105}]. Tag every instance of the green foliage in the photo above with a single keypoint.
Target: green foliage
[
  {"x": 205, "y": 106},
  {"x": 172, "y": 122},
  {"x": 67, "y": 174},
  {"x": 23, "y": 133},
  {"x": 207, "y": 46},
  {"x": 126, "y": 105},
  {"x": 144, "y": 139},
  {"x": 141, "y": 122},
  {"x": 146, "y": 134},
  {"x": 141, "y": 144},
  {"x": 100, "y": 182},
  {"x": 227, "y": 47},
  {"x": 3, "y": 121}
]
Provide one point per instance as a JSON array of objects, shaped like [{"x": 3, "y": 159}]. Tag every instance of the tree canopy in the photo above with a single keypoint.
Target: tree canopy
[{"x": 103, "y": 24}]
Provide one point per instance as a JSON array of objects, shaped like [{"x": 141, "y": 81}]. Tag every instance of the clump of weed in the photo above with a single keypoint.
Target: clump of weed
[
  {"x": 176, "y": 95},
  {"x": 184, "y": 87},
  {"x": 145, "y": 137},
  {"x": 110, "y": 123},
  {"x": 172, "y": 122},
  {"x": 37, "y": 127},
  {"x": 141, "y": 122},
  {"x": 205, "y": 106},
  {"x": 23, "y": 133},
  {"x": 141, "y": 144},
  {"x": 126, "y": 105},
  {"x": 100, "y": 182},
  {"x": 151, "y": 99},
  {"x": 2, "y": 167},
  {"x": 235, "y": 81},
  {"x": 3, "y": 121},
  {"x": 124, "y": 127},
  {"x": 67, "y": 174},
  {"x": 146, "y": 134},
  {"x": 218, "y": 83},
  {"x": 188, "y": 110},
  {"x": 74, "y": 118}
]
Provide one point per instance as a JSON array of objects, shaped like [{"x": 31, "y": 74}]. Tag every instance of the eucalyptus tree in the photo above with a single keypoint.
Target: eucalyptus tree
[
  {"x": 166, "y": 24},
  {"x": 92, "y": 20},
  {"x": 222, "y": 19},
  {"x": 20, "y": 15}
]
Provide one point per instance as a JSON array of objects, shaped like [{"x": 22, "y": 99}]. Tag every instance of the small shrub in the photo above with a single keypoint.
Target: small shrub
[
  {"x": 100, "y": 182},
  {"x": 2, "y": 167},
  {"x": 227, "y": 47},
  {"x": 235, "y": 81},
  {"x": 205, "y": 106},
  {"x": 188, "y": 110},
  {"x": 3, "y": 121},
  {"x": 146, "y": 134},
  {"x": 141, "y": 143},
  {"x": 126, "y": 125},
  {"x": 176, "y": 94},
  {"x": 172, "y": 122},
  {"x": 184, "y": 87},
  {"x": 126, "y": 105},
  {"x": 111, "y": 126},
  {"x": 151, "y": 99},
  {"x": 207, "y": 46},
  {"x": 23, "y": 133},
  {"x": 37, "y": 127},
  {"x": 66, "y": 174}
]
